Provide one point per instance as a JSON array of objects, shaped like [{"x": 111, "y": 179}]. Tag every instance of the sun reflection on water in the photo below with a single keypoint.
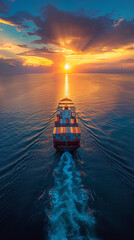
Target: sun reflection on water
[{"x": 66, "y": 86}]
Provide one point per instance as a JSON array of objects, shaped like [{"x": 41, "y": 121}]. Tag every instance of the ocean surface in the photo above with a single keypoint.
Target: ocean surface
[{"x": 85, "y": 195}]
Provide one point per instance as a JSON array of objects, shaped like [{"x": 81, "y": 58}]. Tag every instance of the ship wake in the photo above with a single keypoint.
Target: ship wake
[{"x": 69, "y": 215}]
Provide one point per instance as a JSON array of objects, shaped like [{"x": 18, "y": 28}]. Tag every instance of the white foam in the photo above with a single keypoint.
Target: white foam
[{"x": 69, "y": 219}]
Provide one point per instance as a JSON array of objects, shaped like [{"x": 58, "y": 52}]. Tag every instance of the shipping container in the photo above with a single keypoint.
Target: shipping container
[{"x": 66, "y": 133}]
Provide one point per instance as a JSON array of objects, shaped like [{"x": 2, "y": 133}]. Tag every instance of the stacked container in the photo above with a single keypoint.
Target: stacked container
[{"x": 66, "y": 133}]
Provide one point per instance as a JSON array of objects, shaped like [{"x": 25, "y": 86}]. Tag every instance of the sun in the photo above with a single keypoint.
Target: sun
[{"x": 67, "y": 66}]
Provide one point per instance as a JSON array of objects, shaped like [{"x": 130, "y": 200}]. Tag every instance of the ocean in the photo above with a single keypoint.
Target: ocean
[{"x": 85, "y": 195}]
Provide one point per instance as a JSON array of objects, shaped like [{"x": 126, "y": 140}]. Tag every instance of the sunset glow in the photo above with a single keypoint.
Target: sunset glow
[
  {"x": 66, "y": 86},
  {"x": 43, "y": 40},
  {"x": 7, "y": 22},
  {"x": 36, "y": 61},
  {"x": 67, "y": 66}
]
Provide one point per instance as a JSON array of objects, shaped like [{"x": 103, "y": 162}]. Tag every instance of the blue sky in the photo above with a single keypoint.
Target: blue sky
[{"x": 123, "y": 8}]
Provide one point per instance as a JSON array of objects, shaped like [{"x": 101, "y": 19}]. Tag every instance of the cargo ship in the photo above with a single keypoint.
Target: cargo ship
[{"x": 66, "y": 133}]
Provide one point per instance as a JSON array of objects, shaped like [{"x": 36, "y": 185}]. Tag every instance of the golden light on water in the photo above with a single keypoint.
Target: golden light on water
[{"x": 66, "y": 86}]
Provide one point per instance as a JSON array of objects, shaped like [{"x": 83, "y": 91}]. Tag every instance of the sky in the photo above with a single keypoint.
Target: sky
[{"x": 86, "y": 36}]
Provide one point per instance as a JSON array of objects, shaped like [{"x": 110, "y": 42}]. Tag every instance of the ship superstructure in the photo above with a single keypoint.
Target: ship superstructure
[{"x": 66, "y": 133}]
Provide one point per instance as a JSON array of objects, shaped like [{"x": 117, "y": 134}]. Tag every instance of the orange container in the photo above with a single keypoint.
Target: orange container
[
  {"x": 64, "y": 131},
  {"x": 59, "y": 129},
  {"x": 78, "y": 130}
]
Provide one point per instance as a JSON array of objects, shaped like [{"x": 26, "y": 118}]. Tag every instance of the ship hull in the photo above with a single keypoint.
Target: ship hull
[
  {"x": 66, "y": 149},
  {"x": 66, "y": 146}
]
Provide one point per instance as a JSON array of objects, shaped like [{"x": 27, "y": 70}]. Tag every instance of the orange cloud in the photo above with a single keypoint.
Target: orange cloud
[
  {"x": 36, "y": 61},
  {"x": 84, "y": 42},
  {"x": 7, "y": 22},
  {"x": 109, "y": 57}
]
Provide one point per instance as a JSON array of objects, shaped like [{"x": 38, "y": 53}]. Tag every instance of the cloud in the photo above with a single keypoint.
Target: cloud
[
  {"x": 12, "y": 49},
  {"x": 31, "y": 57},
  {"x": 81, "y": 37},
  {"x": 55, "y": 59},
  {"x": 18, "y": 19},
  {"x": 117, "y": 22},
  {"x": 130, "y": 60},
  {"x": 79, "y": 31},
  {"x": 16, "y": 66},
  {"x": 82, "y": 33},
  {"x": 131, "y": 48},
  {"x": 37, "y": 51},
  {"x": 36, "y": 61},
  {"x": 7, "y": 22},
  {"x": 4, "y": 8}
]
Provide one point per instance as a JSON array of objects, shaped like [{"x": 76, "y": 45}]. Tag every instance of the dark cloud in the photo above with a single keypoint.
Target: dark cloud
[
  {"x": 22, "y": 45},
  {"x": 130, "y": 48},
  {"x": 82, "y": 32},
  {"x": 63, "y": 28},
  {"x": 20, "y": 18},
  {"x": 4, "y": 8},
  {"x": 36, "y": 51},
  {"x": 130, "y": 60},
  {"x": 15, "y": 66}
]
